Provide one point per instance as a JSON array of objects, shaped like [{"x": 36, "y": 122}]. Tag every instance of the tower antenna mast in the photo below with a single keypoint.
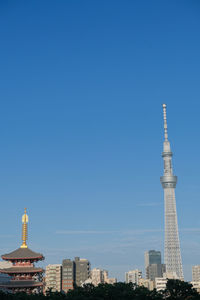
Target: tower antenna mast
[{"x": 165, "y": 121}]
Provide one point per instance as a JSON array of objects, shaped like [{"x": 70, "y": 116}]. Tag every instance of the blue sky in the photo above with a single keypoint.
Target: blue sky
[{"x": 81, "y": 86}]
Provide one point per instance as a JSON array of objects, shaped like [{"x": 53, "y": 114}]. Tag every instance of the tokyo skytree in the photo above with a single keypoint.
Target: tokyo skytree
[{"x": 172, "y": 257}]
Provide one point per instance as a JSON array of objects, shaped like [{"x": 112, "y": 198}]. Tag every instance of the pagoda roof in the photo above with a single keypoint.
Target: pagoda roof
[
  {"x": 16, "y": 270},
  {"x": 21, "y": 284},
  {"x": 22, "y": 253}
]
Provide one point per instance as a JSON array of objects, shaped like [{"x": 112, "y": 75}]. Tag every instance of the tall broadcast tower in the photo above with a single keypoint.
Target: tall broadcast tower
[{"x": 168, "y": 180}]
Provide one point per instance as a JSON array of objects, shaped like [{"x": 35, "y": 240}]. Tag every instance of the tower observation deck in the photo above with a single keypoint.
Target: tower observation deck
[{"x": 172, "y": 255}]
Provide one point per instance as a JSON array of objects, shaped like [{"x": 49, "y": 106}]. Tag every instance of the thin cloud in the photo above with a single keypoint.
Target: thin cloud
[
  {"x": 141, "y": 231},
  {"x": 84, "y": 232},
  {"x": 117, "y": 246},
  {"x": 190, "y": 229},
  {"x": 123, "y": 232},
  {"x": 148, "y": 204}
]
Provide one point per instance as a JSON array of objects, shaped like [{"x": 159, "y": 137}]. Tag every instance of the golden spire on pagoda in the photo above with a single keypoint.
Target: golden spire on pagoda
[{"x": 24, "y": 229}]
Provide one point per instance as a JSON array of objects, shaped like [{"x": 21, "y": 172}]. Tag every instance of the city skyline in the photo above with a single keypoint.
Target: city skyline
[
  {"x": 93, "y": 232},
  {"x": 82, "y": 88}
]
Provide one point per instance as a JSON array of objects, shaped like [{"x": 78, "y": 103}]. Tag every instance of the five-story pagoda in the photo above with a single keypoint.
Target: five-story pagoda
[{"x": 25, "y": 277}]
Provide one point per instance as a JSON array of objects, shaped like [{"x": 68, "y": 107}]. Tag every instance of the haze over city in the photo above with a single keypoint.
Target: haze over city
[{"x": 81, "y": 124}]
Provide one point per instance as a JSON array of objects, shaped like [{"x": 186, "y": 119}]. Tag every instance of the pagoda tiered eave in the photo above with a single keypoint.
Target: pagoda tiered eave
[
  {"x": 18, "y": 270},
  {"x": 21, "y": 284},
  {"x": 23, "y": 254}
]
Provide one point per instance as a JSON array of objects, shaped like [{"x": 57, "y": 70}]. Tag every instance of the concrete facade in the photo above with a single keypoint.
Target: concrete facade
[
  {"x": 160, "y": 283},
  {"x": 53, "y": 278},
  {"x": 149, "y": 284},
  {"x": 111, "y": 280},
  {"x": 196, "y": 285},
  {"x": 152, "y": 257},
  {"x": 97, "y": 276},
  {"x": 153, "y": 266},
  {"x": 68, "y": 275},
  {"x": 196, "y": 273},
  {"x": 133, "y": 276},
  {"x": 101, "y": 276},
  {"x": 82, "y": 270},
  {"x": 75, "y": 271},
  {"x": 155, "y": 270}
]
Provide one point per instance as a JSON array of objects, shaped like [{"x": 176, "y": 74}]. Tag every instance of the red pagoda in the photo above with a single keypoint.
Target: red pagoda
[{"x": 25, "y": 277}]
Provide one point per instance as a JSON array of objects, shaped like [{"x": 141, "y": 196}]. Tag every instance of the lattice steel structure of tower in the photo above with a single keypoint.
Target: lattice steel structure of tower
[{"x": 172, "y": 255}]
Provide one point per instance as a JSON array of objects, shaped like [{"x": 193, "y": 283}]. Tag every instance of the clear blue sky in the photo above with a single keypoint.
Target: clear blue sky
[{"x": 81, "y": 130}]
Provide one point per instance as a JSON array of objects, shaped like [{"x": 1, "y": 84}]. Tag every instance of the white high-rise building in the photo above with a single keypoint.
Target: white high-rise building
[
  {"x": 5, "y": 264},
  {"x": 172, "y": 256},
  {"x": 101, "y": 276},
  {"x": 149, "y": 284},
  {"x": 112, "y": 280},
  {"x": 53, "y": 278},
  {"x": 4, "y": 278},
  {"x": 196, "y": 273},
  {"x": 161, "y": 282},
  {"x": 105, "y": 276},
  {"x": 196, "y": 285},
  {"x": 133, "y": 276},
  {"x": 97, "y": 276}
]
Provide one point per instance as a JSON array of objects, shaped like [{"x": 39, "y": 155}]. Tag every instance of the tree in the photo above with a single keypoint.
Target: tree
[{"x": 177, "y": 289}]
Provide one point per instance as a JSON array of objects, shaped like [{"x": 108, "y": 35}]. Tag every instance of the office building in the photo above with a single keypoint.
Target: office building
[
  {"x": 4, "y": 278},
  {"x": 153, "y": 266},
  {"x": 172, "y": 256},
  {"x": 105, "y": 276},
  {"x": 101, "y": 276},
  {"x": 155, "y": 270},
  {"x": 152, "y": 257},
  {"x": 160, "y": 283},
  {"x": 196, "y": 285},
  {"x": 74, "y": 272},
  {"x": 5, "y": 264},
  {"x": 196, "y": 273},
  {"x": 111, "y": 280},
  {"x": 97, "y": 276},
  {"x": 133, "y": 276},
  {"x": 149, "y": 284},
  {"x": 68, "y": 275},
  {"x": 82, "y": 270},
  {"x": 53, "y": 278}
]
